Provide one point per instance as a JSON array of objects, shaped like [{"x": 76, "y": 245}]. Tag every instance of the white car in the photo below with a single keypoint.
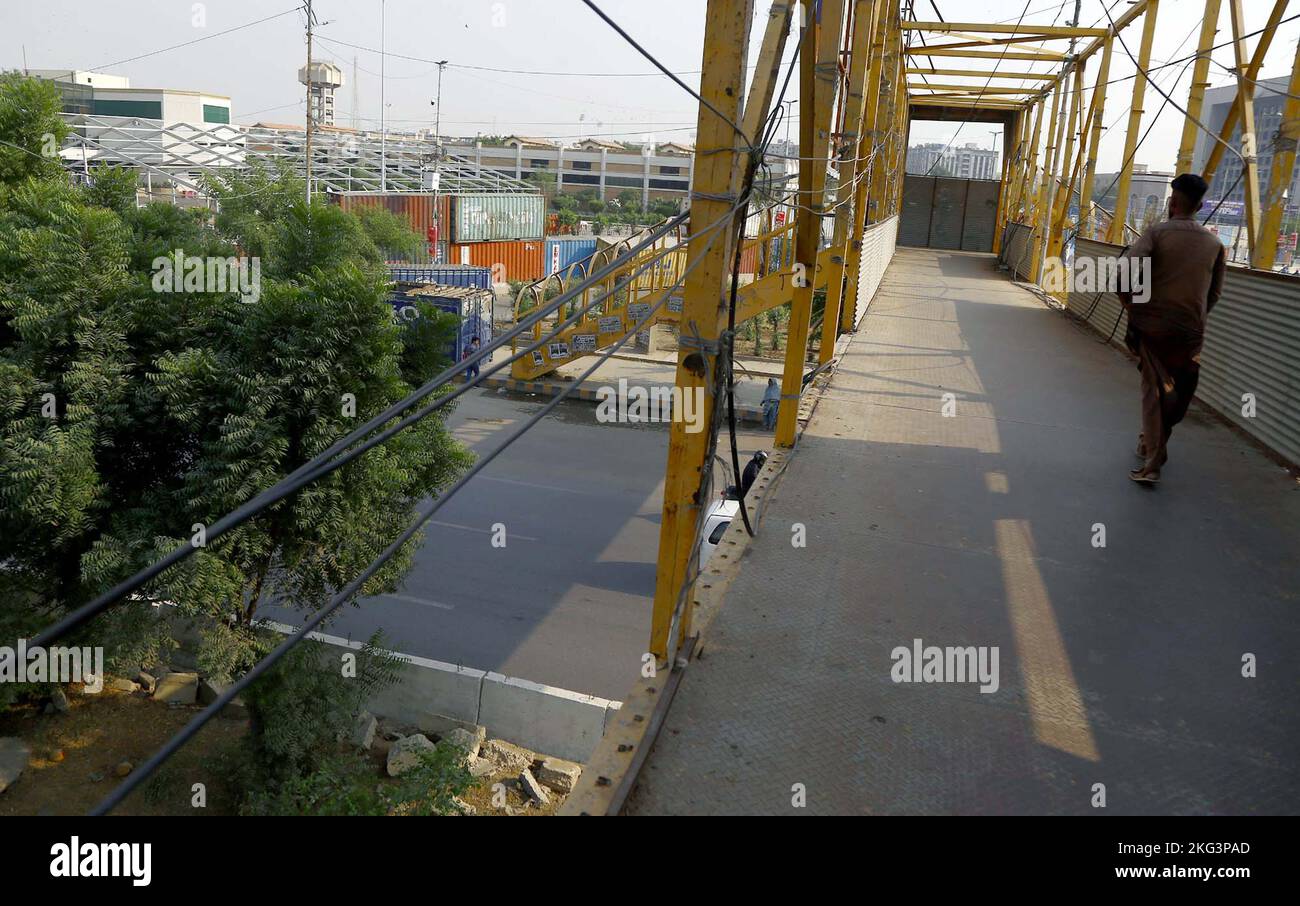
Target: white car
[{"x": 716, "y": 521}]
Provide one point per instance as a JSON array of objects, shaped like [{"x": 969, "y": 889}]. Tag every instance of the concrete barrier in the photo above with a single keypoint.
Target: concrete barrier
[
  {"x": 436, "y": 696},
  {"x": 544, "y": 718}
]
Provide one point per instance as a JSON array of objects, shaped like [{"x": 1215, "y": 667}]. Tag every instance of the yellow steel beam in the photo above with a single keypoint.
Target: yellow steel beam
[
  {"x": 1252, "y": 73},
  {"x": 967, "y": 89},
  {"x": 846, "y": 190},
  {"x": 1116, "y": 233},
  {"x": 1031, "y": 165},
  {"x": 1061, "y": 206},
  {"x": 1200, "y": 81},
  {"x": 1076, "y": 171},
  {"x": 964, "y": 100},
  {"x": 871, "y": 112},
  {"x": 1090, "y": 169},
  {"x": 818, "y": 75},
  {"x": 1012, "y": 159},
  {"x": 983, "y": 73},
  {"x": 1010, "y": 148},
  {"x": 885, "y": 118},
  {"x": 1284, "y": 154},
  {"x": 1127, "y": 18},
  {"x": 763, "y": 88},
  {"x": 898, "y": 158},
  {"x": 1003, "y": 28},
  {"x": 867, "y": 145},
  {"x": 960, "y": 50},
  {"x": 1042, "y": 203},
  {"x": 1279, "y": 177},
  {"x": 719, "y": 167},
  {"x": 1246, "y": 94}
]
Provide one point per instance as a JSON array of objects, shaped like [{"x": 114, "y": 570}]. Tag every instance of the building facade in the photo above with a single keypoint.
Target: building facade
[
  {"x": 1228, "y": 183},
  {"x": 102, "y": 94},
  {"x": 966, "y": 162},
  {"x": 655, "y": 171}
]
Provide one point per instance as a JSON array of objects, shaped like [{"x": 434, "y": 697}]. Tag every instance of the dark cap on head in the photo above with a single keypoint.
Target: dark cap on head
[{"x": 1191, "y": 187}]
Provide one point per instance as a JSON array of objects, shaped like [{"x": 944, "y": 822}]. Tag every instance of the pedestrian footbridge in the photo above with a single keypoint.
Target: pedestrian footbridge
[{"x": 1145, "y": 637}]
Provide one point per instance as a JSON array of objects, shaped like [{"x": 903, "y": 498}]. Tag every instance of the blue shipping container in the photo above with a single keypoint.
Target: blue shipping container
[
  {"x": 471, "y": 304},
  {"x": 561, "y": 251},
  {"x": 442, "y": 274}
]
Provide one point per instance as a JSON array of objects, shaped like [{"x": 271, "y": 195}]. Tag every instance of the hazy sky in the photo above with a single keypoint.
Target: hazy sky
[{"x": 257, "y": 65}]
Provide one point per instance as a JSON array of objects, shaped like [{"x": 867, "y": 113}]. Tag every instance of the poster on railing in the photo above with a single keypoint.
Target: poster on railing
[
  {"x": 612, "y": 324},
  {"x": 558, "y": 351},
  {"x": 584, "y": 342}
]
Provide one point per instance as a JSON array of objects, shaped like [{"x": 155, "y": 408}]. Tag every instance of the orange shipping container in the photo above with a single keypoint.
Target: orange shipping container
[
  {"x": 420, "y": 211},
  {"x": 513, "y": 259}
]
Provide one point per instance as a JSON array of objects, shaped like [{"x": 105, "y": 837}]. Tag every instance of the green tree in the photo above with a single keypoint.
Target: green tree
[
  {"x": 31, "y": 128},
  {"x": 129, "y": 415}
]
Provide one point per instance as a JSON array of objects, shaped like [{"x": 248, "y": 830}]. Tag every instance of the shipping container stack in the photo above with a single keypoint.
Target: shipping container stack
[{"x": 499, "y": 231}]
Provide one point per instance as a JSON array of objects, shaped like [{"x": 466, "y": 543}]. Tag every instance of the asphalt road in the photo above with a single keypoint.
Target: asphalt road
[{"x": 567, "y": 601}]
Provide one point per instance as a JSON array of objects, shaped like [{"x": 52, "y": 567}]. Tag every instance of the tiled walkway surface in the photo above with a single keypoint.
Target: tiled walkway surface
[{"x": 1119, "y": 665}]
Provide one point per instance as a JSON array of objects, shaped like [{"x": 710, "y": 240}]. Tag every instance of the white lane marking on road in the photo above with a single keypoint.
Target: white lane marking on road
[
  {"x": 470, "y": 528},
  {"x": 425, "y": 601},
  {"x": 529, "y": 484}
]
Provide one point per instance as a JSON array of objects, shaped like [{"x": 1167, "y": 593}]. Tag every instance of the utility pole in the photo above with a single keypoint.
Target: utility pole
[
  {"x": 437, "y": 113},
  {"x": 383, "y": 130},
  {"x": 310, "y": 115}
]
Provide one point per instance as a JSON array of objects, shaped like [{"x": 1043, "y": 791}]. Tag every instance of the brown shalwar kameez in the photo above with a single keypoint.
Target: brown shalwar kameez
[{"x": 1166, "y": 331}]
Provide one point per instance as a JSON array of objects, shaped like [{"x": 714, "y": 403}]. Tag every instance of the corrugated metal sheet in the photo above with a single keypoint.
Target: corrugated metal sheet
[
  {"x": 914, "y": 223},
  {"x": 490, "y": 217},
  {"x": 1015, "y": 248},
  {"x": 421, "y": 211},
  {"x": 1252, "y": 345},
  {"x": 471, "y": 304},
  {"x": 947, "y": 213},
  {"x": 981, "y": 215},
  {"x": 520, "y": 259},
  {"x": 878, "y": 243},
  {"x": 444, "y": 274},
  {"x": 562, "y": 251}
]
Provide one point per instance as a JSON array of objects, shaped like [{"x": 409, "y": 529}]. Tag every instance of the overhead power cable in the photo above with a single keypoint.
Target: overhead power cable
[
  {"x": 169, "y": 748},
  {"x": 295, "y": 480}
]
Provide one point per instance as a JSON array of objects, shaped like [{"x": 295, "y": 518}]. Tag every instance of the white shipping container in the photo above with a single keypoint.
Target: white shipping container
[{"x": 487, "y": 217}]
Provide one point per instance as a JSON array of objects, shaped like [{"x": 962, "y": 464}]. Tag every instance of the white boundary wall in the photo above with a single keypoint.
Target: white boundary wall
[{"x": 435, "y": 696}]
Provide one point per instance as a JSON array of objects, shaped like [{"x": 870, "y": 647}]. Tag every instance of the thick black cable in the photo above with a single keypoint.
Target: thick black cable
[
  {"x": 668, "y": 72},
  {"x": 172, "y": 745},
  {"x": 988, "y": 81},
  {"x": 311, "y": 469}
]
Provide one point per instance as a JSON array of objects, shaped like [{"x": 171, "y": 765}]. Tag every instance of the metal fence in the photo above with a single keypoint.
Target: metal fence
[{"x": 1252, "y": 346}]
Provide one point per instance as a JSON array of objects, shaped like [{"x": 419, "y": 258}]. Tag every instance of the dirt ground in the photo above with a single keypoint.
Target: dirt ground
[{"x": 75, "y": 756}]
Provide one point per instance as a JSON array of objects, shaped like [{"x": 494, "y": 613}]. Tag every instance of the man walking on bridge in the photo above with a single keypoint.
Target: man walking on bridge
[{"x": 1166, "y": 331}]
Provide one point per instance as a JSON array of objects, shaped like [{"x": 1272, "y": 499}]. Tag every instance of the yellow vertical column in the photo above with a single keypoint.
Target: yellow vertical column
[
  {"x": 1090, "y": 169},
  {"x": 818, "y": 74},
  {"x": 1284, "y": 152},
  {"x": 1246, "y": 96},
  {"x": 846, "y": 218},
  {"x": 719, "y": 157},
  {"x": 866, "y": 147},
  {"x": 1116, "y": 233},
  {"x": 1200, "y": 81},
  {"x": 1038, "y": 218}
]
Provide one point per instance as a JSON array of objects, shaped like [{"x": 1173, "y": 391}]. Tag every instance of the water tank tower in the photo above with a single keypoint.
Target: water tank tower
[{"x": 322, "y": 81}]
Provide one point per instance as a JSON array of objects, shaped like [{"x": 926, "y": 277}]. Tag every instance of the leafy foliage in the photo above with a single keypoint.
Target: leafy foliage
[
  {"x": 31, "y": 128},
  {"x": 128, "y": 416}
]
